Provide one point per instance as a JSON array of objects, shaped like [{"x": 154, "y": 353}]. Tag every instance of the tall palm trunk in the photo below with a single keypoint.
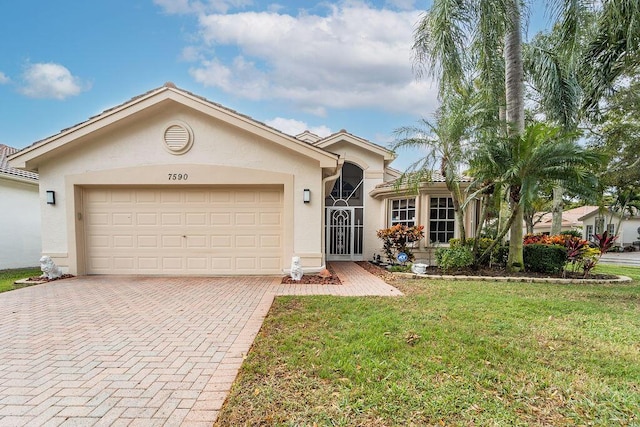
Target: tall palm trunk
[
  {"x": 556, "y": 210},
  {"x": 514, "y": 89}
]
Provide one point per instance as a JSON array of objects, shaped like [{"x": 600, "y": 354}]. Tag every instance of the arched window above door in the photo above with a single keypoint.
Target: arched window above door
[{"x": 347, "y": 191}]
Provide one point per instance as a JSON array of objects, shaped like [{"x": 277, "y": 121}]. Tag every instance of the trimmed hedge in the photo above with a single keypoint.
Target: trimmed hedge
[{"x": 545, "y": 258}]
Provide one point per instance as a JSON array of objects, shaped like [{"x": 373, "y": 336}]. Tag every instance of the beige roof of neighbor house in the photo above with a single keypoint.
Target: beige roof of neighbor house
[
  {"x": 29, "y": 156},
  {"x": 5, "y": 152},
  {"x": 570, "y": 217}
]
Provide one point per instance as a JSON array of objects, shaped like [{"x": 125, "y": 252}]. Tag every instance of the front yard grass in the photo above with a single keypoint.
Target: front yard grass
[
  {"x": 447, "y": 353},
  {"x": 7, "y": 277}
]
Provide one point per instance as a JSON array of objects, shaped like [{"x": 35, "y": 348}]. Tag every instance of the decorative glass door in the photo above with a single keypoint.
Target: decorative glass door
[{"x": 345, "y": 216}]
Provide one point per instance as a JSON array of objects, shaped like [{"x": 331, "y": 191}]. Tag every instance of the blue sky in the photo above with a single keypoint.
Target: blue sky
[{"x": 295, "y": 65}]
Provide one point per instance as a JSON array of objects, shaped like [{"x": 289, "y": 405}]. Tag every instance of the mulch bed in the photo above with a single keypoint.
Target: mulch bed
[
  {"x": 45, "y": 279},
  {"x": 486, "y": 272},
  {"x": 314, "y": 279}
]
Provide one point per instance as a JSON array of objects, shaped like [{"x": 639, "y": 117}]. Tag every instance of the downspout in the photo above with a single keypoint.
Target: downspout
[{"x": 325, "y": 180}]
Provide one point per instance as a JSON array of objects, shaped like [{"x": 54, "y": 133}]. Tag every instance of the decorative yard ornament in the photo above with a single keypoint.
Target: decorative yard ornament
[
  {"x": 296, "y": 269},
  {"x": 402, "y": 257},
  {"x": 419, "y": 268},
  {"x": 49, "y": 268}
]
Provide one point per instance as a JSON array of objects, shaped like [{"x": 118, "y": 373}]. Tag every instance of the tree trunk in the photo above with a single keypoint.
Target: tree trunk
[
  {"x": 556, "y": 210},
  {"x": 515, "y": 262},
  {"x": 514, "y": 72},
  {"x": 454, "y": 189},
  {"x": 514, "y": 89}
]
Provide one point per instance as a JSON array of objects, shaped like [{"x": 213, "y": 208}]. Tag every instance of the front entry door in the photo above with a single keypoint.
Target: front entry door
[{"x": 344, "y": 234}]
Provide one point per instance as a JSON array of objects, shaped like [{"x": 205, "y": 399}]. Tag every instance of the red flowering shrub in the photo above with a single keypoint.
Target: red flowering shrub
[{"x": 396, "y": 238}]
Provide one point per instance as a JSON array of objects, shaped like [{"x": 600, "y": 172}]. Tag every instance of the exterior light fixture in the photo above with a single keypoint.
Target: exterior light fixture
[
  {"x": 306, "y": 195},
  {"x": 51, "y": 197}
]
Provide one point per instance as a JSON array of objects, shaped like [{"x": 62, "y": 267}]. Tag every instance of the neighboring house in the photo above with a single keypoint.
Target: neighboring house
[
  {"x": 595, "y": 222},
  {"x": 570, "y": 219},
  {"x": 170, "y": 183},
  {"x": 20, "y": 239}
]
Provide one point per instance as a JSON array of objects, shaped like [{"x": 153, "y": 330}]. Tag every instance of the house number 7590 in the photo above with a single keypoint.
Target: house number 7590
[{"x": 178, "y": 177}]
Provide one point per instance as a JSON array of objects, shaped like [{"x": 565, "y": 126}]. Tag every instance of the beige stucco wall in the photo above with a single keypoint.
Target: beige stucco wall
[
  {"x": 132, "y": 152},
  {"x": 19, "y": 223}
]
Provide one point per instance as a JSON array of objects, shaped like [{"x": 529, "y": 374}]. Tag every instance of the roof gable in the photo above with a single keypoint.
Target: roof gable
[
  {"x": 343, "y": 135},
  {"x": 29, "y": 157}
]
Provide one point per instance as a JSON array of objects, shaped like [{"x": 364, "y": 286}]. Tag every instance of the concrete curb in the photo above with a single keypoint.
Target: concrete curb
[{"x": 620, "y": 279}]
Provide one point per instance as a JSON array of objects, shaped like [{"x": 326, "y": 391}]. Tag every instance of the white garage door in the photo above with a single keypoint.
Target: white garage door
[{"x": 193, "y": 231}]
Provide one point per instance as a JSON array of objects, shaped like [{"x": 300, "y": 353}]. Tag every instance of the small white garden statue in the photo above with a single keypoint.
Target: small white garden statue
[
  {"x": 419, "y": 268},
  {"x": 296, "y": 269},
  {"x": 49, "y": 268}
]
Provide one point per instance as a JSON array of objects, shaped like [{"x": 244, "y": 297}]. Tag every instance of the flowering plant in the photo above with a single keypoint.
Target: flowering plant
[{"x": 396, "y": 238}]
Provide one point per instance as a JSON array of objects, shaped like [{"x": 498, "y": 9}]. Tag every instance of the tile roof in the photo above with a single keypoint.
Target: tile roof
[
  {"x": 5, "y": 152},
  {"x": 569, "y": 216},
  {"x": 169, "y": 85},
  {"x": 436, "y": 176}
]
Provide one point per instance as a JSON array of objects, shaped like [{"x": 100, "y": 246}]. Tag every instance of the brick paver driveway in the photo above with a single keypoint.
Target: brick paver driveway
[{"x": 136, "y": 351}]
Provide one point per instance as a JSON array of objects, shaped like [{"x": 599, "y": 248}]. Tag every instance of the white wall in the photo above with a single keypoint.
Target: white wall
[{"x": 20, "y": 243}]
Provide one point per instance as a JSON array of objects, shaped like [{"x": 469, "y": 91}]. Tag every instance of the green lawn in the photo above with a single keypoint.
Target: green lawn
[
  {"x": 447, "y": 353},
  {"x": 7, "y": 277}
]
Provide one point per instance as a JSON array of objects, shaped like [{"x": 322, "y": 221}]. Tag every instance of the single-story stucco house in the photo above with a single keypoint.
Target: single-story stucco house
[
  {"x": 570, "y": 219},
  {"x": 20, "y": 239},
  {"x": 597, "y": 221},
  {"x": 170, "y": 183}
]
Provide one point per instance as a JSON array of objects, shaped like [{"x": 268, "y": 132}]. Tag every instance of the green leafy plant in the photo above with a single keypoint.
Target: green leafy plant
[
  {"x": 454, "y": 258},
  {"x": 549, "y": 259}
]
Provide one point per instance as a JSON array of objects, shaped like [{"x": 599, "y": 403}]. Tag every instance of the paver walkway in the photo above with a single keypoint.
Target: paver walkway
[{"x": 130, "y": 351}]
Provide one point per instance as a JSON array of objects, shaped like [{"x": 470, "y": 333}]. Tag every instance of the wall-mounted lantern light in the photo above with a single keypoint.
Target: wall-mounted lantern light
[
  {"x": 306, "y": 195},
  {"x": 51, "y": 197}
]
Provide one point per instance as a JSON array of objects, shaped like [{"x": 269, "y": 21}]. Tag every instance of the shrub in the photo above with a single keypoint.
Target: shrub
[
  {"x": 483, "y": 244},
  {"x": 573, "y": 233},
  {"x": 395, "y": 240},
  {"x": 453, "y": 258},
  {"x": 542, "y": 258}
]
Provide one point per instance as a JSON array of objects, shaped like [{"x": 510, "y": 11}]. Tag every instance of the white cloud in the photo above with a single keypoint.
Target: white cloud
[
  {"x": 4, "y": 79},
  {"x": 355, "y": 56},
  {"x": 295, "y": 127},
  {"x": 49, "y": 80}
]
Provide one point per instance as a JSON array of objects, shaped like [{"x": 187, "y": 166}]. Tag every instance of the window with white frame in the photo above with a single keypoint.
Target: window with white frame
[
  {"x": 611, "y": 228},
  {"x": 590, "y": 232},
  {"x": 403, "y": 211},
  {"x": 441, "y": 219}
]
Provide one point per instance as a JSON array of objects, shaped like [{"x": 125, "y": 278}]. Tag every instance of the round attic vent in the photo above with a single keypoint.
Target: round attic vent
[{"x": 178, "y": 137}]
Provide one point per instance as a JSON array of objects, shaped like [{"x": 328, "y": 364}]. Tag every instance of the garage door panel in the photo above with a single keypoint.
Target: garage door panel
[
  {"x": 245, "y": 218},
  {"x": 183, "y": 231},
  {"x": 246, "y": 241},
  {"x": 147, "y": 218},
  {"x": 125, "y": 241},
  {"x": 172, "y": 241},
  {"x": 122, "y": 219},
  {"x": 199, "y": 218},
  {"x": 97, "y": 218},
  {"x": 270, "y": 241},
  {"x": 220, "y": 219}
]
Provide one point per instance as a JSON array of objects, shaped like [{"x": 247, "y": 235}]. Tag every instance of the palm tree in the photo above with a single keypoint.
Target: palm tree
[
  {"x": 613, "y": 51},
  {"x": 521, "y": 163},
  {"x": 456, "y": 39},
  {"x": 444, "y": 141}
]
